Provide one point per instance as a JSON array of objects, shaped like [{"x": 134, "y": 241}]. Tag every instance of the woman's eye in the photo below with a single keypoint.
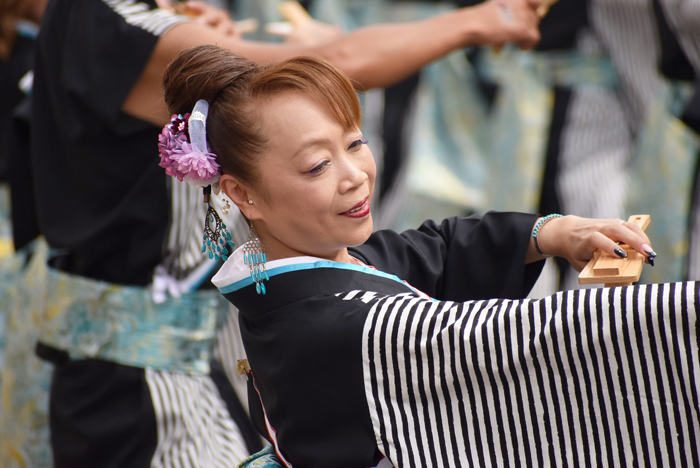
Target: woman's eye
[
  {"x": 319, "y": 168},
  {"x": 357, "y": 143}
]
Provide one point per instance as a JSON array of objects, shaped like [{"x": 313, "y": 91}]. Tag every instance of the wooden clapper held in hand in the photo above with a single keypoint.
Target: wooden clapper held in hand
[{"x": 614, "y": 271}]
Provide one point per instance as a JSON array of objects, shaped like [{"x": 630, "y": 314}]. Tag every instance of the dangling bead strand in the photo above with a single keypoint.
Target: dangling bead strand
[
  {"x": 216, "y": 239},
  {"x": 255, "y": 258}
]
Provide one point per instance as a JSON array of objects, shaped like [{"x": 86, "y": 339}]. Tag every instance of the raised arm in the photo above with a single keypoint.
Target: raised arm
[
  {"x": 378, "y": 56},
  {"x": 375, "y": 56},
  {"x": 461, "y": 258}
]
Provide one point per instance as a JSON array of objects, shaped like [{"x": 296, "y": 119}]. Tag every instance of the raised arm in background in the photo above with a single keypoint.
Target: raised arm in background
[{"x": 374, "y": 56}]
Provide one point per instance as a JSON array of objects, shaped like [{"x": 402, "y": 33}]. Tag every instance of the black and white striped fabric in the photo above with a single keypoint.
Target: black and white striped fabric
[
  {"x": 602, "y": 377},
  {"x": 140, "y": 14},
  {"x": 194, "y": 427}
]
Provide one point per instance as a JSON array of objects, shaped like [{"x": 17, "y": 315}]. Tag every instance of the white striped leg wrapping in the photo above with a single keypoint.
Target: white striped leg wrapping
[
  {"x": 194, "y": 426},
  {"x": 601, "y": 377}
]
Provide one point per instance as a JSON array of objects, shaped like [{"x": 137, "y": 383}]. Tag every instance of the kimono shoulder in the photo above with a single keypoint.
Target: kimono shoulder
[{"x": 303, "y": 340}]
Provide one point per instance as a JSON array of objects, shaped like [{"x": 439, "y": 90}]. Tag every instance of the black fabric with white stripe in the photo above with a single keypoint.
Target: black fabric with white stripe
[{"x": 602, "y": 377}]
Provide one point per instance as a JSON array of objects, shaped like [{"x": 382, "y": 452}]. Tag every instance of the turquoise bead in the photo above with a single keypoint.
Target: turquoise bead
[
  {"x": 262, "y": 287},
  {"x": 211, "y": 255},
  {"x": 224, "y": 257},
  {"x": 204, "y": 248}
]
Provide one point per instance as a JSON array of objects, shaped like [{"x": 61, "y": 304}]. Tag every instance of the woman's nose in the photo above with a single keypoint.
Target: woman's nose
[{"x": 353, "y": 175}]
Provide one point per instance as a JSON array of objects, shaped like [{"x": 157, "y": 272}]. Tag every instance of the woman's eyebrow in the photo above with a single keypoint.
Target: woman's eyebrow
[{"x": 311, "y": 143}]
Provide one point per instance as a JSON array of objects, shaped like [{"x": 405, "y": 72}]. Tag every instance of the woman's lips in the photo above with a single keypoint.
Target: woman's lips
[{"x": 358, "y": 211}]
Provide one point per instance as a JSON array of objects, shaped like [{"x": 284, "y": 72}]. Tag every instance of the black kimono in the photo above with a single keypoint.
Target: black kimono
[{"x": 353, "y": 363}]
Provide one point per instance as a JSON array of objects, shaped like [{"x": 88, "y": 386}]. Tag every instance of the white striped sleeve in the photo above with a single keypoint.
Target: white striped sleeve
[{"x": 596, "y": 377}]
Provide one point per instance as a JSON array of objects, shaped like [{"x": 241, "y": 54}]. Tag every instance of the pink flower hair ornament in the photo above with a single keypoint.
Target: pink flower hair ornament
[{"x": 184, "y": 153}]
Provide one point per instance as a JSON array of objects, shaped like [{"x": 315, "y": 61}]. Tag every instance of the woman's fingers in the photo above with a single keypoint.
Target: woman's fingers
[
  {"x": 639, "y": 241},
  {"x": 604, "y": 243},
  {"x": 611, "y": 234},
  {"x": 505, "y": 21},
  {"x": 524, "y": 13},
  {"x": 577, "y": 238},
  {"x": 215, "y": 18}
]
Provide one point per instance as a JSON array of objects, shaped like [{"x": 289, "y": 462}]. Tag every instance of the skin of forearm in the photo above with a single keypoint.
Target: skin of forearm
[
  {"x": 378, "y": 56},
  {"x": 375, "y": 56}
]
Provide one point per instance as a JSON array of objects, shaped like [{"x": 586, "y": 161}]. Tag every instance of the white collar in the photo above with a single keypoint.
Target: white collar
[{"x": 235, "y": 269}]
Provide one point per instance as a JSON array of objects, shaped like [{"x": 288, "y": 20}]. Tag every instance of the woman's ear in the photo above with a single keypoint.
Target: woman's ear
[{"x": 240, "y": 195}]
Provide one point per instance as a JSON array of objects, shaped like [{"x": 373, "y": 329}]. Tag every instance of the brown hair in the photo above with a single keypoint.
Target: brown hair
[
  {"x": 233, "y": 85},
  {"x": 9, "y": 12}
]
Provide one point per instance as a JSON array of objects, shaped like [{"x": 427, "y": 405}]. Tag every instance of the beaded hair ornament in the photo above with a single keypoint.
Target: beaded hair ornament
[{"x": 184, "y": 154}]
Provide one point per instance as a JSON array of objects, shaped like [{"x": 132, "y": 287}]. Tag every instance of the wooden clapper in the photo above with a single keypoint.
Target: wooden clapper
[{"x": 614, "y": 271}]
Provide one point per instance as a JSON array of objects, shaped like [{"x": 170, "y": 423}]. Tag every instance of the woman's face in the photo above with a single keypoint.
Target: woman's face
[{"x": 317, "y": 181}]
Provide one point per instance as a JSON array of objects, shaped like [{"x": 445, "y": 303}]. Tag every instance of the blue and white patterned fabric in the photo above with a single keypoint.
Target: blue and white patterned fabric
[
  {"x": 95, "y": 319},
  {"x": 266, "y": 458}
]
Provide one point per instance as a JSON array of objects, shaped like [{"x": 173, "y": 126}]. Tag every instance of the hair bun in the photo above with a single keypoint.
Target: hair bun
[{"x": 201, "y": 73}]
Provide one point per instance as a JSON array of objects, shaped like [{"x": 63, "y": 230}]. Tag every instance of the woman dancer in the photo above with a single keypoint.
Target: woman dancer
[{"x": 417, "y": 349}]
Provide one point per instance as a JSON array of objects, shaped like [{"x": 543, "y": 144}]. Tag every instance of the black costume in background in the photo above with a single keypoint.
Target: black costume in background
[
  {"x": 25, "y": 226},
  {"x": 15, "y": 116},
  {"x": 111, "y": 214},
  {"x": 100, "y": 197},
  {"x": 352, "y": 364},
  {"x": 12, "y": 71}
]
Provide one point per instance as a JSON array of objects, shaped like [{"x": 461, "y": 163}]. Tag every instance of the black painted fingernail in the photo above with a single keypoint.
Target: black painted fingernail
[
  {"x": 651, "y": 253},
  {"x": 620, "y": 253},
  {"x": 651, "y": 261}
]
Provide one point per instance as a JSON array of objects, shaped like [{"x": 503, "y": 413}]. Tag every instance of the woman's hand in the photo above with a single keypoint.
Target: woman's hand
[
  {"x": 576, "y": 238},
  {"x": 507, "y": 21},
  {"x": 208, "y": 15}
]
